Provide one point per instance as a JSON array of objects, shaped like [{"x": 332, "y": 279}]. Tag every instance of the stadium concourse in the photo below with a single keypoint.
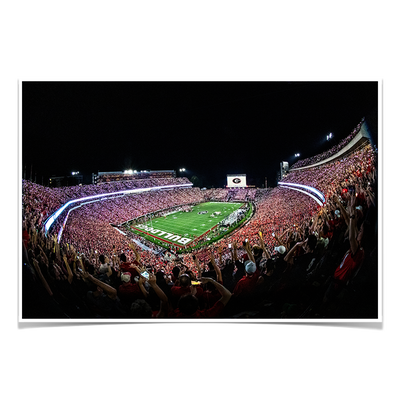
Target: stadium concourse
[{"x": 294, "y": 258}]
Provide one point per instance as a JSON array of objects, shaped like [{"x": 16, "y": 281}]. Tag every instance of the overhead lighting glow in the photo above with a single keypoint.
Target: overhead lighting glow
[
  {"x": 308, "y": 194},
  {"x": 310, "y": 188},
  {"x": 55, "y": 215}
]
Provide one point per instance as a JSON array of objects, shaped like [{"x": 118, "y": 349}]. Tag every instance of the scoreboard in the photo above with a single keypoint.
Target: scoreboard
[{"x": 236, "y": 181}]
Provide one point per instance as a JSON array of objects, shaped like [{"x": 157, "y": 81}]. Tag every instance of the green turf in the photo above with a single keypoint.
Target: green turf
[{"x": 186, "y": 225}]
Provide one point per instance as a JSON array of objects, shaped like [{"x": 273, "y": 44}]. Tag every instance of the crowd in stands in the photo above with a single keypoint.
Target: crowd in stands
[
  {"x": 89, "y": 227},
  {"x": 51, "y": 199},
  {"x": 329, "y": 153},
  {"x": 113, "y": 177},
  {"x": 217, "y": 194},
  {"x": 242, "y": 194},
  {"x": 354, "y": 169},
  {"x": 293, "y": 259}
]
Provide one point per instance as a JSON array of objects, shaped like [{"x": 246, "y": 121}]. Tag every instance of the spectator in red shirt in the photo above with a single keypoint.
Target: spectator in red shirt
[
  {"x": 130, "y": 267},
  {"x": 211, "y": 295},
  {"x": 182, "y": 287},
  {"x": 352, "y": 260},
  {"x": 188, "y": 305},
  {"x": 128, "y": 292},
  {"x": 247, "y": 284}
]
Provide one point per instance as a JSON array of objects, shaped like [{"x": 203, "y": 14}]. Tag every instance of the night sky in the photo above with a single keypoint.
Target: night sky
[{"x": 210, "y": 128}]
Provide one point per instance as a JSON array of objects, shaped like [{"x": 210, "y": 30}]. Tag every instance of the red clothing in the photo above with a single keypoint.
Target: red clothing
[
  {"x": 126, "y": 267},
  {"x": 247, "y": 284},
  {"x": 25, "y": 238},
  {"x": 211, "y": 297},
  {"x": 212, "y": 312},
  {"x": 178, "y": 291},
  {"x": 348, "y": 266},
  {"x": 333, "y": 223},
  {"x": 129, "y": 292}
]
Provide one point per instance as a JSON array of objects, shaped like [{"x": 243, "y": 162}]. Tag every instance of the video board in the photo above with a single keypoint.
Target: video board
[{"x": 236, "y": 180}]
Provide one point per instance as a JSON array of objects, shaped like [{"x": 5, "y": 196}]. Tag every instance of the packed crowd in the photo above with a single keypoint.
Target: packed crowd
[
  {"x": 242, "y": 194},
  {"x": 217, "y": 194},
  {"x": 293, "y": 259},
  {"x": 112, "y": 177},
  {"x": 329, "y": 153},
  {"x": 44, "y": 201},
  {"x": 89, "y": 226},
  {"x": 354, "y": 169}
]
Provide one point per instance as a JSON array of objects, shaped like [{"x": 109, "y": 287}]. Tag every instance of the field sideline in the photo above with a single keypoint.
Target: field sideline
[{"x": 181, "y": 228}]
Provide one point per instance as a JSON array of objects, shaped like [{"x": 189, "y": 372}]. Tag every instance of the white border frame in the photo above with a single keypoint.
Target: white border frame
[{"x": 378, "y": 325}]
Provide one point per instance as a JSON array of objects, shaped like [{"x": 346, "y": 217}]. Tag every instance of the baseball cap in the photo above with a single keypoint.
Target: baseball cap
[
  {"x": 250, "y": 267},
  {"x": 125, "y": 276},
  {"x": 280, "y": 249}
]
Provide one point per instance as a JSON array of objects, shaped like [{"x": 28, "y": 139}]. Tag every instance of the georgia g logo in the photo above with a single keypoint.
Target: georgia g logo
[{"x": 236, "y": 180}]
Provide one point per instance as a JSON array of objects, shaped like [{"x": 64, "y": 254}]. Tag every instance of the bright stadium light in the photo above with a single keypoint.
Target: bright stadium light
[
  {"x": 310, "y": 188},
  {"x": 128, "y": 171},
  {"x": 297, "y": 155},
  {"x": 328, "y": 137},
  {"x": 308, "y": 194}
]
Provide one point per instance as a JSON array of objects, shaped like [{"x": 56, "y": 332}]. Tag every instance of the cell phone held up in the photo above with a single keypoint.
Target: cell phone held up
[{"x": 145, "y": 274}]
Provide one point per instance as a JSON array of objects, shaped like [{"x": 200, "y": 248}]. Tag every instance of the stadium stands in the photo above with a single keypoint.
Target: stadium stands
[
  {"x": 107, "y": 177},
  {"x": 290, "y": 267}
]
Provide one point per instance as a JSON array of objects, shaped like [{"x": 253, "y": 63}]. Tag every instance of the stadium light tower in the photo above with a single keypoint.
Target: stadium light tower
[
  {"x": 329, "y": 137},
  {"x": 297, "y": 155},
  {"x": 182, "y": 169}
]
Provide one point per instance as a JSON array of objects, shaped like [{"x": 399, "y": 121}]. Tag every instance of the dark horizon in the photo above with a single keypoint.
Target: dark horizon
[{"x": 209, "y": 128}]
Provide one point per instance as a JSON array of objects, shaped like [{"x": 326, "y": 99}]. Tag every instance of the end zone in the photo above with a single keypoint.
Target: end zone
[{"x": 148, "y": 230}]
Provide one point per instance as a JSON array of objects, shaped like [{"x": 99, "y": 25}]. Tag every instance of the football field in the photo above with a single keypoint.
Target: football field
[{"x": 181, "y": 228}]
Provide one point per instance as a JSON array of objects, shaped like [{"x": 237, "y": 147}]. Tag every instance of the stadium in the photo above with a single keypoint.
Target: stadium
[{"x": 154, "y": 244}]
